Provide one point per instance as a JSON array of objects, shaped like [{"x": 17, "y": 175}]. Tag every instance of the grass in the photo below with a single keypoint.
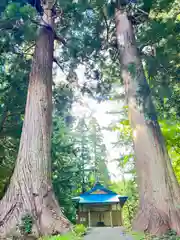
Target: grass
[
  {"x": 170, "y": 235},
  {"x": 69, "y": 236},
  {"x": 137, "y": 235},
  {"x": 78, "y": 231}
]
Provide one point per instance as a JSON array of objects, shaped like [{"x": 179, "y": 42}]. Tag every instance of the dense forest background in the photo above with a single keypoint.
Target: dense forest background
[{"x": 79, "y": 154}]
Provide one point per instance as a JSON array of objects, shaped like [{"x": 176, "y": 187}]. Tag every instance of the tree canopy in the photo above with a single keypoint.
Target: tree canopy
[{"x": 85, "y": 36}]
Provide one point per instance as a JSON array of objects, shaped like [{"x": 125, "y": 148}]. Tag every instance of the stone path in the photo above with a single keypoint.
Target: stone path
[{"x": 107, "y": 233}]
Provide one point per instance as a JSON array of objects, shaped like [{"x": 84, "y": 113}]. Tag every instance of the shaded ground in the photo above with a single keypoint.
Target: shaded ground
[{"x": 107, "y": 233}]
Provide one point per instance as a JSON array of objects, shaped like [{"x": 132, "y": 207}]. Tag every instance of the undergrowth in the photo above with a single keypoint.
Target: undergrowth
[
  {"x": 171, "y": 235},
  {"x": 78, "y": 231},
  {"x": 69, "y": 236},
  {"x": 26, "y": 224}
]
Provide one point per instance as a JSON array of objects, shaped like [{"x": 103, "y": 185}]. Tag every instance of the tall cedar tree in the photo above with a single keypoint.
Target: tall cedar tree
[
  {"x": 158, "y": 188},
  {"x": 30, "y": 191}
]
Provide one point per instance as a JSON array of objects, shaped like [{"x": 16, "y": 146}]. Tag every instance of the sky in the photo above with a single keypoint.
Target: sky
[{"x": 89, "y": 106}]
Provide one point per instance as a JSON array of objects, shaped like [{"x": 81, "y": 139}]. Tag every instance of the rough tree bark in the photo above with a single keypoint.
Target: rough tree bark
[
  {"x": 30, "y": 191},
  {"x": 158, "y": 187}
]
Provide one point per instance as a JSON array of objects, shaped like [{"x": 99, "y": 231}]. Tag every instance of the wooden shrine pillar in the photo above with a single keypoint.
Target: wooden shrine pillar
[
  {"x": 89, "y": 218},
  {"x": 121, "y": 215},
  {"x": 111, "y": 220}
]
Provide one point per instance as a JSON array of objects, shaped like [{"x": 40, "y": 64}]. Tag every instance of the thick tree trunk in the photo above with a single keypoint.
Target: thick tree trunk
[
  {"x": 30, "y": 191},
  {"x": 158, "y": 187}
]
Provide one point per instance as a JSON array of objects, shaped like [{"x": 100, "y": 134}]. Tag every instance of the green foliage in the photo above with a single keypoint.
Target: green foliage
[
  {"x": 89, "y": 30},
  {"x": 77, "y": 234},
  {"x": 171, "y": 132},
  {"x": 69, "y": 236},
  {"x": 138, "y": 236},
  {"x": 76, "y": 152},
  {"x": 127, "y": 188},
  {"x": 98, "y": 151},
  {"x": 161, "y": 31},
  {"x": 64, "y": 166},
  {"x": 80, "y": 230},
  {"x": 91, "y": 152},
  {"x": 132, "y": 68},
  {"x": 15, "y": 64},
  {"x": 26, "y": 224},
  {"x": 170, "y": 235}
]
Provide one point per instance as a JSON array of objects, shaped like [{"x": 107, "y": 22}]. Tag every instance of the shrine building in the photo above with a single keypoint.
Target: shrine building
[{"x": 99, "y": 207}]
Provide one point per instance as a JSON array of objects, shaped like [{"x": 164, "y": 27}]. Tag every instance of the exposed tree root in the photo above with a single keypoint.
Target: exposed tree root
[
  {"x": 158, "y": 187},
  {"x": 152, "y": 220},
  {"x": 46, "y": 214},
  {"x": 30, "y": 191}
]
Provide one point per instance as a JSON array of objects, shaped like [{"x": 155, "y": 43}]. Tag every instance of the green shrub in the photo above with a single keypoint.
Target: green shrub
[
  {"x": 26, "y": 224},
  {"x": 80, "y": 230},
  {"x": 69, "y": 236},
  {"x": 170, "y": 235},
  {"x": 137, "y": 235}
]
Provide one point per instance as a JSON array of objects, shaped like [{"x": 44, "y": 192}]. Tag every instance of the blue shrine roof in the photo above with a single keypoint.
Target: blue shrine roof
[{"x": 100, "y": 195}]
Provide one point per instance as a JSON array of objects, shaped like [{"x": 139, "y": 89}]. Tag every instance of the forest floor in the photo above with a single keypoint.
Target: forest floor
[{"x": 107, "y": 233}]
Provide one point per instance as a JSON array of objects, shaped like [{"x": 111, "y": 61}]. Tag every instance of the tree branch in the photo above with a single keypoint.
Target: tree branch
[
  {"x": 27, "y": 49},
  {"x": 3, "y": 119},
  {"x": 56, "y": 61},
  {"x": 106, "y": 23},
  {"x": 56, "y": 37},
  {"x": 10, "y": 24},
  {"x": 60, "y": 39}
]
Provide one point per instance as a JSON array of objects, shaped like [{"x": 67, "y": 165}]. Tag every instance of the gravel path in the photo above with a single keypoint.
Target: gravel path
[{"x": 107, "y": 233}]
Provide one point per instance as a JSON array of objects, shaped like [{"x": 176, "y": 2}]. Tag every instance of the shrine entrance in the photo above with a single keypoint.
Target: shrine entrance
[{"x": 99, "y": 207}]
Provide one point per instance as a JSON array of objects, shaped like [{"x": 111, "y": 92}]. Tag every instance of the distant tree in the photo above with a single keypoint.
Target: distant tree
[{"x": 98, "y": 152}]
